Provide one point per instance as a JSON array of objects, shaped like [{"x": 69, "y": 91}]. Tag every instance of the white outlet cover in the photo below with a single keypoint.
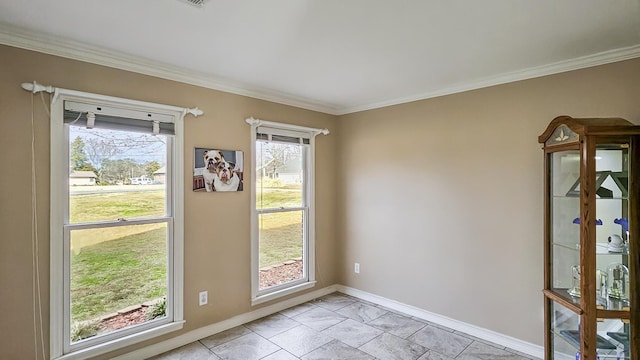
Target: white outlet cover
[{"x": 203, "y": 298}]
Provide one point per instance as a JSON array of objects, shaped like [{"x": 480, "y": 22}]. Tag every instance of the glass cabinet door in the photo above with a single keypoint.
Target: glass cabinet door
[
  {"x": 612, "y": 250},
  {"x": 565, "y": 221},
  {"x": 565, "y": 335},
  {"x": 612, "y": 247}
]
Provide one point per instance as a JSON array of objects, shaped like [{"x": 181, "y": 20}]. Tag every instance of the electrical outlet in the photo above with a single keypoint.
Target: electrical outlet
[
  {"x": 203, "y": 298},
  {"x": 356, "y": 268}
]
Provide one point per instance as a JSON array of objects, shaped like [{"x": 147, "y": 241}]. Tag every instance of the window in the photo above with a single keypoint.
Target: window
[
  {"x": 283, "y": 233},
  {"x": 116, "y": 228}
]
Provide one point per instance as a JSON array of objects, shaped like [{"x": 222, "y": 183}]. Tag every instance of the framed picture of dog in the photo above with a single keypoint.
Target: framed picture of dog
[{"x": 217, "y": 170}]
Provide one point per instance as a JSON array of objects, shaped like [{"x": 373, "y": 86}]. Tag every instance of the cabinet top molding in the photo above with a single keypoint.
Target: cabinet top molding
[{"x": 586, "y": 126}]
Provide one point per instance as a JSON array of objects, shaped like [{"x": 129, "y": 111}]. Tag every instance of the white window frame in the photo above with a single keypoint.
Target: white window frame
[
  {"x": 60, "y": 346},
  {"x": 308, "y": 207}
]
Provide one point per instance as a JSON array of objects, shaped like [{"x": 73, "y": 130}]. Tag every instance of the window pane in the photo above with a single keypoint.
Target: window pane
[
  {"x": 280, "y": 247},
  {"x": 115, "y": 174},
  {"x": 118, "y": 278},
  {"x": 279, "y": 175}
]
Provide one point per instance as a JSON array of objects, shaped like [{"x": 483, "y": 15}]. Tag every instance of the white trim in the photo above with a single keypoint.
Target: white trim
[
  {"x": 255, "y": 256},
  {"x": 601, "y": 58},
  {"x": 122, "y": 342},
  {"x": 255, "y": 123},
  {"x": 108, "y": 224},
  {"x": 176, "y": 191},
  {"x": 213, "y": 329},
  {"x": 57, "y": 183},
  {"x": 310, "y": 183},
  {"x": 83, "y": 107},
  {"x": 473, "y": 330},
  {"x": 126, "y": 106},
  {"x": 203, "y": 332},
  {"x": 45, "y": 43},
  {"x": 260, "y": 296},
  {"x": 279, "y": 210},
  {"x": 60, "y": 346},
  {"x": 280, "y": 293}
]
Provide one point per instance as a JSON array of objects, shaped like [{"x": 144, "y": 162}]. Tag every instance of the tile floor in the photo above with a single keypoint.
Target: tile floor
[{"x": 336, "y": 327}]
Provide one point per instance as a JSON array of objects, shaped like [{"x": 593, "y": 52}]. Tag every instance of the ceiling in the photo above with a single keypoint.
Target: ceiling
[{"x": 334, "y": 56}]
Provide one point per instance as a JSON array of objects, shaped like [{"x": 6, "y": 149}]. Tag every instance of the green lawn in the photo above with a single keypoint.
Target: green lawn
[
  {"x": 113, "y": 268},
  {"x": 280, "y": 233},
  {"x": 280, "y": 237},
  {"x": 134, "y": 204},
  {"x": 115, "y": 274},
  {"x": 112, "y": 206},
  {"x": 276, "y": 197}
]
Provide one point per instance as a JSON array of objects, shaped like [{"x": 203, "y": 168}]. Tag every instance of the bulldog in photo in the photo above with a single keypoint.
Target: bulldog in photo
[
  {"x": 226, "y": 179},
  {"x": 211, "y": 158}
]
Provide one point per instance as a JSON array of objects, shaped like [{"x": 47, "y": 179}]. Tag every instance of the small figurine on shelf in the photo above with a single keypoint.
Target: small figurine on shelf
[
  {"x": 616, "y": 244},
  {"x": 575, "y": 281},
  {"x": 618, "y": 282},
  {"x": 577, "y": 221},
  {"x": 624, "y": 222}
]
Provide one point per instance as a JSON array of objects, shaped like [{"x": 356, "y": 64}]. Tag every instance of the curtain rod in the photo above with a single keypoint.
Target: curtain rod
[
  {"x": 35, "y": 88},
  {"x": 257, "y": 122}
]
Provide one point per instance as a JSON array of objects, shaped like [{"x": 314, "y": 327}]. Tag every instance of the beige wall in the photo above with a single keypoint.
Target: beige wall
[
  {"x": 442, "y": 199},
  {"x": 218, "y": 262}
]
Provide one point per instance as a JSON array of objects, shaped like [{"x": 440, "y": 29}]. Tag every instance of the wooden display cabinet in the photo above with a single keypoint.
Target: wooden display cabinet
[{"x": 591, "y": 251}]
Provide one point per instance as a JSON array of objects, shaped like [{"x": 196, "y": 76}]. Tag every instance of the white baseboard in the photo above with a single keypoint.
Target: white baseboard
[
  {"x": 212, "y": 329},
  {"x": 203, "y": 332},
  {"x": 481, "y": 333}
]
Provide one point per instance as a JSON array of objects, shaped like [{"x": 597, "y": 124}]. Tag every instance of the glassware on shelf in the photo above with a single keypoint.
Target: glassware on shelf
[
  {"x": 575, "y": 281},
  {"x": 618, "y": 282},
  {"x": 601, "y": 284}
]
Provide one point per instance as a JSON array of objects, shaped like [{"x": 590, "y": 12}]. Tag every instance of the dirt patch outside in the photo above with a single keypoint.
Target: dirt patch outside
[
  {"x": 273, "y": 275},
  {"x": 280, "y": 274}
]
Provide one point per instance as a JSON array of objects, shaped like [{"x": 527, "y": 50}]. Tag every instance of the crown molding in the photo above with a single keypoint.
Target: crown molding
[
  {"x": 47, "y": 44},
  {"x": 602, "y": 58}
]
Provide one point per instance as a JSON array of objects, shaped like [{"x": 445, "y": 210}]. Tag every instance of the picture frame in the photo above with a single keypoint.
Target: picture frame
[{"x": 216, "y": 170}]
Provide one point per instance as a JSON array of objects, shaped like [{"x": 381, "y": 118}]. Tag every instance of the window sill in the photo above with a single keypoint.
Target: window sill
[
  {"x": 122, "y": 342},
  {"x": 280, "y": 293}
]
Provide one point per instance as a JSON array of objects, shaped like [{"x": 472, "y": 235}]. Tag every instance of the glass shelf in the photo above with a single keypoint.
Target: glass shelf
[
  {"x": 601, "y": 248},
  {"x": 602, "y": 303},
  {"x": 606, "y": 303},
  {"x": 575, "y": 247},
  {"x": 598, "y": 198}
]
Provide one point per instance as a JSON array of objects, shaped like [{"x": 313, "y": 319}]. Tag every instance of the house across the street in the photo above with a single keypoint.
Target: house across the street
[
  {"x": 82, "y": 178},
  {"x": 159, "y": 176}
]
